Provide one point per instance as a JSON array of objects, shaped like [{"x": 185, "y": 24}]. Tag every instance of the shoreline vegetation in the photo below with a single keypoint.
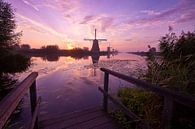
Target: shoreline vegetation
[
  {"x": 76, "y": 51},
  {"x": 175, "y": 70},
  {"x": 144, "y": 53},
  {"x": 10, "y": 61},
  {"x": 54, "y": 51},
  {"x": 172, "y": 68}
]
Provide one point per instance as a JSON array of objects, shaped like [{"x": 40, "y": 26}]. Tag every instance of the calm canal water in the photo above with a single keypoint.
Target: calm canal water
[{"x": 66, "y": 84}]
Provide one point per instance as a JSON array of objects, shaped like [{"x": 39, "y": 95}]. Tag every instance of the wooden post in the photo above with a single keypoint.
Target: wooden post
[
  {"x": 105, "y": 100},
  {"x": 167, "y": 113},
  {"x": 33, "y": 101}
]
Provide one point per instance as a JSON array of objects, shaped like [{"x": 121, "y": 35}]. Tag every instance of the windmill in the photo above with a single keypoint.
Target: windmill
[{"x": 95, "y": 47}]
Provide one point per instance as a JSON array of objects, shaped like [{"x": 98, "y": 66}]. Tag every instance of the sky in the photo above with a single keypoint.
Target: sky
[{"x": 128, "y": 25}]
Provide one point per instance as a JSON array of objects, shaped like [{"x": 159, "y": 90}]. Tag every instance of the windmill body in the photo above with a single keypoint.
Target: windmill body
[{"x": 95, "y": 47}]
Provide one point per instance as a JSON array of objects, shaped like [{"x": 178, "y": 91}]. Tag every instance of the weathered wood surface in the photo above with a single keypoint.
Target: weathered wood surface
[
  {"x": 183, "y": 99},
  {"x": 105, "y": 100},
  {"x": 167, "y": 113},
  {"x": 34, "y": 120},
  {"x": 34, "y": 106},
  {"x": 93, "y": 118},
  {"x": 129, "y": 113},
  {"x": 169, "y": 97},
  {"x": 10, "y": 102}
]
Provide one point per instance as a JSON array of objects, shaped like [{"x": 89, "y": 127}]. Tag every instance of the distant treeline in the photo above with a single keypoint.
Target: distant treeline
[
  {"x": 52, "y": 52},
  {"x": 143, "y": 53}
]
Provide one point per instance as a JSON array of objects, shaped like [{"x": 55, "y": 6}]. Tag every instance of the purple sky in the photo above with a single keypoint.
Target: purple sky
[{"x": 129, "y": 25}]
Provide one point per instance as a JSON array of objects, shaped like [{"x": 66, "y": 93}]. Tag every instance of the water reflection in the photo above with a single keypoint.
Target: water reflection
[
  {"x": 95, "y": 60},
  {"x": 50, "y": 58},
  {"x": 68, "y": 83},
  {"x": 56, "y": 57}
]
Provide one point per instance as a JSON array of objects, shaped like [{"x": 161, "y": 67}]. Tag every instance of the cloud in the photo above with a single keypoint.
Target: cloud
[
  {"x": 67, "y": 16},
  {"x": 68, "y": 4},
  {"x": 40, "y": 26},
  {"x": 30, "y": 4},
  {"x": 187, "y": 17},
  {"x": 150, "y": 12},
  {"x": 128, "y": 40},
  {"x": 68, "y": 8},
  {"x": 106, "y": 23},
  {"x": 182, "y": 12},
  {"x": 65, "y": 6},
  {"x": 101, "y": 22},
  {"x": 25, "y": 25},
  {"x": 87, "y": 19}
]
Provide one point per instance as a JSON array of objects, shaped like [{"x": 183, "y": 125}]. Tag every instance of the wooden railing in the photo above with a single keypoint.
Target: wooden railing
[
  {"x": 11, "y": 101},
  {"x": 169, "y": 98}
]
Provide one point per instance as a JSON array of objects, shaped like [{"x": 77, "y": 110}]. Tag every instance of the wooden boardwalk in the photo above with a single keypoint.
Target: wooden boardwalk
[{"x": 92, "y": 118}]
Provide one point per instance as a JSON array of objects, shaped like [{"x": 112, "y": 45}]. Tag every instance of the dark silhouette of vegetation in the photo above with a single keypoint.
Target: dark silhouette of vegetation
[
  {"x": 146, "y": 105},
  {"x": 8, "y": 37},
  {"x": 10, "y": 61},
  {"x": 25, "y": 46},
  {"x": 50, "y": 48},
  {"x": 173, "y": 69},
  {"x": 52, "y": 52}
]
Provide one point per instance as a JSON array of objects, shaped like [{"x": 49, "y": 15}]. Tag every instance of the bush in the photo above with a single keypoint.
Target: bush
[
  {"x": 145, "y": 104},
  {"x": 175, "y": 70}
]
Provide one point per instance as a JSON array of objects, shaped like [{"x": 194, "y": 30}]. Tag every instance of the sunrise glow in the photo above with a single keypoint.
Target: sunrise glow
[
  {"x": 69, "y": 46},
  {"x": 128, "y": 25}
]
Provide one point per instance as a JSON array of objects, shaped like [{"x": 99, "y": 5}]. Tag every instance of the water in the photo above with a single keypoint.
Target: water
[{"x": 67, "y": 84}]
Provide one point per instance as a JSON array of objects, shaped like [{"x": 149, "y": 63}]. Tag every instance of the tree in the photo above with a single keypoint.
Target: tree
[
  {"x": 25, "y": 46},
  {"x": 52, "y": 48},
  {"x": 8, "y": 37},
  {"x": 10, "y": 61}
]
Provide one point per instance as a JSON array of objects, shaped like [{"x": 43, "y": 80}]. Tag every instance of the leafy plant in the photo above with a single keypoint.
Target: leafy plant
[
  {"x": 173, "y": 69},
  {"x": 10, "y": 61},
  {"x": 145, "y": 104}
]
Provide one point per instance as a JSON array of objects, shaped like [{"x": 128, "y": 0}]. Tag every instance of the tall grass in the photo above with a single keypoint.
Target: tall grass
[{"x": 173, "y": 69}]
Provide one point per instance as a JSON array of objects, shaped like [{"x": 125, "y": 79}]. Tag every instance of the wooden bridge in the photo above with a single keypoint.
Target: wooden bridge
[{"x": 91, "y": 118}]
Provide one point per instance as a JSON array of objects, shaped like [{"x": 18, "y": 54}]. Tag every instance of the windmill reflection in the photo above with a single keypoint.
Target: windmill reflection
[{"x": 95, "y": 59}]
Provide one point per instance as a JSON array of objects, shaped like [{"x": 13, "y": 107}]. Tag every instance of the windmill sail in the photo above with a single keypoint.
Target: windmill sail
[{"x": 95, "y": 47}]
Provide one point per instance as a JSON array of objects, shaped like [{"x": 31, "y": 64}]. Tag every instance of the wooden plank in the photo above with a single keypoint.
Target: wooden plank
[
  {"x": 188, "y": 101},
  {"x": 129, "y": 113},
  {"x": 10, "y": 102},
  {"x": 71, "y": 117},
  {"x": 68, "y": 123},
  {"x": 68, "y": 115},
  {"x": 33, "y": 96},
  {"x": 91, "y": 124},
  {"x": 105, "y": 99},
  {"x": 33, "y": 101},
  {"x": 167, "y": 113},
  {"x": 64, "y": 123},
  {"x": 126, "y": 110},
  {"x": 109, "y": 125},
  {"x": 33, "y": 120}
]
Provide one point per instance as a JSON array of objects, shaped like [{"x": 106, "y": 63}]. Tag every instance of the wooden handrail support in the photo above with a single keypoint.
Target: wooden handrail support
[
  {"x": 9, "y": 103},
  {"x": 34, "y": 119},
  {"x": 125, "y": 109},
  {"x": 169, "y": 96}
]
